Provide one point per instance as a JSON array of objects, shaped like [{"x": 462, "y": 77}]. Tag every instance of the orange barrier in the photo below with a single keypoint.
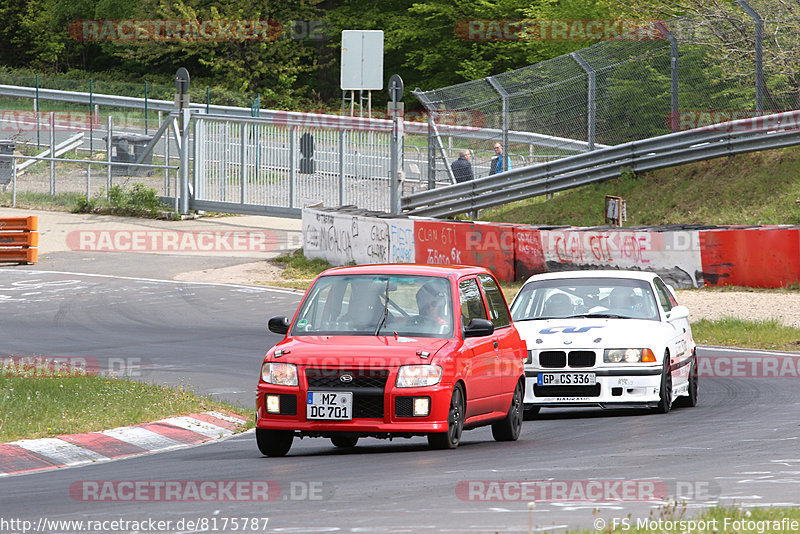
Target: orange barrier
[{"x": 19, "y": 237}]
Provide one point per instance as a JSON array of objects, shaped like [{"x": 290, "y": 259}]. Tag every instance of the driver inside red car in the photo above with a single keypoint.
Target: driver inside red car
[{"x": 431, "y": 302}]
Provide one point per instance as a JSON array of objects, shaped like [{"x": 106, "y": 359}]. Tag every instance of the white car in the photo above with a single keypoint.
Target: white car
[{"x": 605, "y": 338}]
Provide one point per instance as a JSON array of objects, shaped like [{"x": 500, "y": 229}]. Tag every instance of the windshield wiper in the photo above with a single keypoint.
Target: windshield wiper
[{"x": 385, "y": 313}]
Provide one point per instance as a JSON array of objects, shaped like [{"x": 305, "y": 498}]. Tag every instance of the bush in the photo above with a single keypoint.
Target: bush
[{"x": 138, "y": 201}]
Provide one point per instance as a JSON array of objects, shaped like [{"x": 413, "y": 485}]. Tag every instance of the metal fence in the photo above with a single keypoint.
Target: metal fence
[
  {"x": 724, "y": 139},
  {"x": 737, "y": 60},
  {"x": 256, "y": 164}
]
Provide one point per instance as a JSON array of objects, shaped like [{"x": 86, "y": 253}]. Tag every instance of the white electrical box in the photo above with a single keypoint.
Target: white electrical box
[{"x": 362, "y": 60}]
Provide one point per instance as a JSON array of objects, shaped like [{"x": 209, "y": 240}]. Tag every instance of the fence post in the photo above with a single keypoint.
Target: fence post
[
  {"x": 292, "y": 166},
  {"x": 591, "y": 98},
  {"x": 53, "y": 151},
  {"x": 145, "y": 108},
  {"x": 431, "y": 150},
  {"x": 759, "y": 41},
  {"x": 108, "y": 156},
  {"x": 341, "y": 167},
  {"x": 673, "y": 75},
  {"x": 36, "y": 109},
  {"x": 184, "y": 168},
  {"x": 91, "y": 119},
  {"x": 242, "y": 163},
  {"x": 504, "y": 110}
]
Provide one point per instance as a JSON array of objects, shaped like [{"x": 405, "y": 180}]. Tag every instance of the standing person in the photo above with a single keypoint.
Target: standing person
[
  {"x": 496, "y": 165},
  {"x": 462, "y": 168}
]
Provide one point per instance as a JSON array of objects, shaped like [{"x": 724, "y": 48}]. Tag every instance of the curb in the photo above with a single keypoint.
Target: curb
[{"x": 33, "y": 455}]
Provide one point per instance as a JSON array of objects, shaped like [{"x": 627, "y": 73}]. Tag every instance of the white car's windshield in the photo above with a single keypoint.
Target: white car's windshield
[
  {"x": 585, "y": 297},
  {"x": 377, "y": 305}
]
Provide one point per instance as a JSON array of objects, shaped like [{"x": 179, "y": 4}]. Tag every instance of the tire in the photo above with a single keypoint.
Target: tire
[
  {"x": 455, "y": 424},
  {"x": 344, "y": 441},
  {"x": 509, "y": 428},
  {"x": 274, "y": 442},
  {"x": 690, "y": 401},
  {"x": 665, "y": 391},
  {"x": 531, "y": 412}
]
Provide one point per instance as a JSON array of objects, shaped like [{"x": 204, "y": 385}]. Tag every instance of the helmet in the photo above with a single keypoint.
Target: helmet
[{"x": 558, "y": 304}]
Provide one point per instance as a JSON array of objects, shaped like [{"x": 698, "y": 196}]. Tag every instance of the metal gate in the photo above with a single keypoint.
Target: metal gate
[{"x": 277, "y": 165}]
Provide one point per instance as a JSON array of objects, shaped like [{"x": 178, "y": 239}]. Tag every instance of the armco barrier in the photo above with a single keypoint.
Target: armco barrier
[
  {"x": 685, "y": 256},
  {"x": 19, "y": 238}
]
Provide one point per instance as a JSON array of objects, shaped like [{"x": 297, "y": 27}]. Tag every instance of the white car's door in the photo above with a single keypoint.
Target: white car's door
[{"x": 677, "y": 332}]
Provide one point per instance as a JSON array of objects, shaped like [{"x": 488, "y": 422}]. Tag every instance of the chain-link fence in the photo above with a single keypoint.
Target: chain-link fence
[{"x": 735, "y": 61}]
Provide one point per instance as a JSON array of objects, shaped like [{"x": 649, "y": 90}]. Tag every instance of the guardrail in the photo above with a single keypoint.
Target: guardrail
[
  {"x": 19, "y": 237},
  {"x": 724, "y": 139}
]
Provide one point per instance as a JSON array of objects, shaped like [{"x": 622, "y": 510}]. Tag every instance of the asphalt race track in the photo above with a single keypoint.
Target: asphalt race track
[{"x": 738, "y": 446}]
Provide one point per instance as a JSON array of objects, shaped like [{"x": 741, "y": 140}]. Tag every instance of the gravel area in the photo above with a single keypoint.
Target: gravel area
[{"x": 751, "y": 305}]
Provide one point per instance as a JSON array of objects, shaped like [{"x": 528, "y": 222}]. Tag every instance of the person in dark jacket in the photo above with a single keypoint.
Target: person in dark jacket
[
  {"x": 496, "y": 166},
  {"x": 462, "y": 168}
]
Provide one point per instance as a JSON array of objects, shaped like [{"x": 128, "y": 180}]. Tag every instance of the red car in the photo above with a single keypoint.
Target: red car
[{"x": 393, "y": 351}]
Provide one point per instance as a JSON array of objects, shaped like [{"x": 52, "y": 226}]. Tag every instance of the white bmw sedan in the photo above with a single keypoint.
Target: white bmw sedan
[{"x": 605, "y": 338}]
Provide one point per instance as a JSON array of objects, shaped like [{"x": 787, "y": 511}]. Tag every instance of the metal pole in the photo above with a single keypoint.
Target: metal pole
[
  {"x": 673, "y": 75},
  {"x": 52, "y": 151},
  {"x": 145, "y": 108},
  {"x": 243, "y": 163},
  {"x": 36, "y": 108},
  {"x": 292, "y": 168},
  {"x": 591, "y": 98},
  {"x": 759, "y": 41},
  {"x": 110, "y": 127},
  {"x": 88, "y": 181},
  {"x": 431, "y": 151},
  {"x": 184, "y": 165},
  {"x": 341, "y": 167},
  {"x": 14, "y": 178},
  {"x": 208, "y": 99},
  {"x": 504, "y": 110},
  {"x": 91, "y": 117},
  {"x": 166, "y": 157}
]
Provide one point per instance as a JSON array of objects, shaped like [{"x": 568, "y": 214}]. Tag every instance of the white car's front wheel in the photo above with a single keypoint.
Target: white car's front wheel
[{"x": 665, "y": 392}]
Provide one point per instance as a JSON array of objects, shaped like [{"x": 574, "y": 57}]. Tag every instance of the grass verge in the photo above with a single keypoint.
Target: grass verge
[
  {"x": 37, "y": 407},
  {"x": 767, "y": 334}
]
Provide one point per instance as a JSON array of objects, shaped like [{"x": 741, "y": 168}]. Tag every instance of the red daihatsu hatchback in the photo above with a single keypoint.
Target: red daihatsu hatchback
[{"x": 393, "y": 351}]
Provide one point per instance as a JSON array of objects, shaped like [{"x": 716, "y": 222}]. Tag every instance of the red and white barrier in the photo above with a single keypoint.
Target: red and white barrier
[{"x": 685, "y": 257}]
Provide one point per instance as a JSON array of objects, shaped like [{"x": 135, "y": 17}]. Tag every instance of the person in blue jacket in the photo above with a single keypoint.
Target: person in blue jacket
[{"x": 496, "y": 165}]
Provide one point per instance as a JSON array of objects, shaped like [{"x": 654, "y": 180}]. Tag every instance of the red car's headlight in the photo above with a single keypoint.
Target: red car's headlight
[
  {"x": 415, "y": 376},
  {"x": 281, "y": 374}
]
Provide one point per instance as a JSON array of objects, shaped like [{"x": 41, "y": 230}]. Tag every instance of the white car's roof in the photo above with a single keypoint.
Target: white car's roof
[{"x": 600, "y": 273}]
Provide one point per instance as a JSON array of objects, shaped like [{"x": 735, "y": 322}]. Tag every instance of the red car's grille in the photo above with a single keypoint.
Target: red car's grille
[
  {"x": 358, "y": 378},
  {"x": 367, "y": 386}
]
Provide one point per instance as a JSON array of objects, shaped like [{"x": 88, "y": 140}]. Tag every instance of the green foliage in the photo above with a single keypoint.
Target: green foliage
[
  {"x": 136, "y": 201},
  {"x": 755, "y": 188},
  {"x": 731, "y": 331}
]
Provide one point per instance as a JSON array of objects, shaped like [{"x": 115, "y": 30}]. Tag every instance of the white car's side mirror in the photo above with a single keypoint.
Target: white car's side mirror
[{"x": 678, "y": 312}]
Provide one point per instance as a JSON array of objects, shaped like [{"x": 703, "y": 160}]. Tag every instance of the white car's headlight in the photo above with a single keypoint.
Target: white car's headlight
[
  {"x": 280, "y": 374},
  {"x": 415, "y": 376},
  {"x": 628, "y": 356}
]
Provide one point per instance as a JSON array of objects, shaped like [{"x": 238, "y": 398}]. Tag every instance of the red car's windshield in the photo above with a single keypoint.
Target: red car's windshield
[{"x": 377, "y": 305}]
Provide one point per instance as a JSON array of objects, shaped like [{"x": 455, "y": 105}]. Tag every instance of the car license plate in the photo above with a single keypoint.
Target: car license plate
[
  {"x": 566, "y": 379},
  {"x": 329, "y": 405}
]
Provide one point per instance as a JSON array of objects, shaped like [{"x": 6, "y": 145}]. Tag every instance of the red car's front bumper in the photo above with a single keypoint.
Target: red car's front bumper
[{"x": 389, "y": 422}]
